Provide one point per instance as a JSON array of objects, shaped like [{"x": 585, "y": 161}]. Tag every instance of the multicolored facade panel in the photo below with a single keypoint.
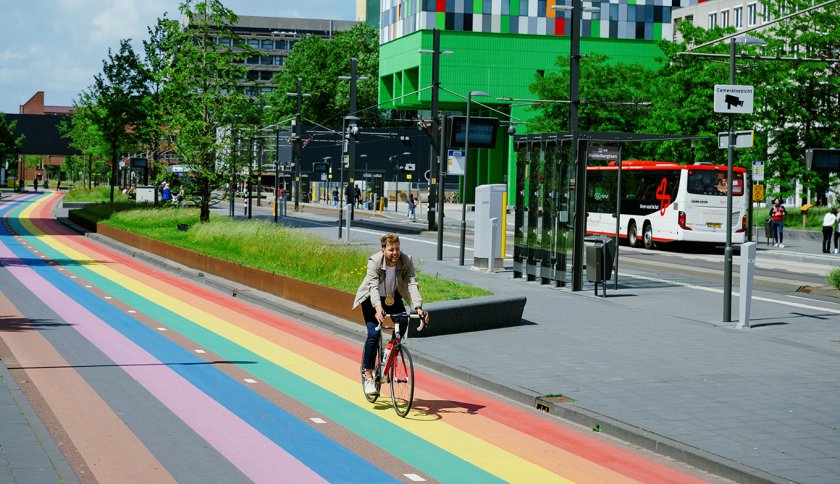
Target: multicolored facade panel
[{"x": 614, "y": 19}]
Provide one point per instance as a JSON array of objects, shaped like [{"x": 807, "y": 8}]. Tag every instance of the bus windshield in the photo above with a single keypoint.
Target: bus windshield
[{"x": 712, "y": 182}]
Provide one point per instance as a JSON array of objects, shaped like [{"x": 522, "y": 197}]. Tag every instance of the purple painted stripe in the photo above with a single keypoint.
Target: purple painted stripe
[{"x": 250, "y": 451}]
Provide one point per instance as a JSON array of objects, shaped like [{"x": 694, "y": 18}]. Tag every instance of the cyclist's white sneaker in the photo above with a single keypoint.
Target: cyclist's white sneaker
[{"x": 370, "y": 387}]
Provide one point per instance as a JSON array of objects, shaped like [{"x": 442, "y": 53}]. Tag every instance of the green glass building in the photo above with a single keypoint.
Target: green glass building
[{"x": 500, "y": 46}]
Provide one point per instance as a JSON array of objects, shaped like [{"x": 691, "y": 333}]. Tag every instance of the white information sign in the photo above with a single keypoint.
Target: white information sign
[
  {"x": 733, "y": 99},
  {"x": 758, "y": 171},
  {"x": 455, "y": 162}
]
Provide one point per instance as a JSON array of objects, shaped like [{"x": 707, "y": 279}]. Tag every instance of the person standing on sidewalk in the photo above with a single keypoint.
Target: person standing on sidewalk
[
  {"x": 829, "y": 222},
  {"x": 390, "y": 277},
  {"x": 777, "y": 216}
]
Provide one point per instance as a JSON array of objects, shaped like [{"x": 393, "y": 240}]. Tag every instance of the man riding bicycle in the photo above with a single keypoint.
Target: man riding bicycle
[{"x": 390, "y": 277}]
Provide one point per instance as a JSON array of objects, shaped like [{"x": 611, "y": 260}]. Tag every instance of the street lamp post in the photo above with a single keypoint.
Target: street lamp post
[
  {"x": 466, "y": 178},
  {"x": 579, "y": 227},
  {"x": 298, "y": 138},
  {"x": 276, "y": 174},
  {"x": 727, "y": 253},
  {"x": 437, "y": 166}
]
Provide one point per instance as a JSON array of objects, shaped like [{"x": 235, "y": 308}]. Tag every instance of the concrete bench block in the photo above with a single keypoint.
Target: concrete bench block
[{"x": 474, "y": 314}]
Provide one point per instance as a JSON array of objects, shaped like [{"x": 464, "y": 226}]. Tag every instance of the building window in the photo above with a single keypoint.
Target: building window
[
  {"x": 739, "y": 17},
  {"x": 267, "y": 44},
  {"x": 765, "y": 14},
  {"x": 751, "y": 14},
  {"x": 724, "y": 18},
  {"x": 712, "y": 20}
]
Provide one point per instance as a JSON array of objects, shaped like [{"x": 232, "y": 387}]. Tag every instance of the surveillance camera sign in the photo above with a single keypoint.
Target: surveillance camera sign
[{"x": 733, "y": 99}]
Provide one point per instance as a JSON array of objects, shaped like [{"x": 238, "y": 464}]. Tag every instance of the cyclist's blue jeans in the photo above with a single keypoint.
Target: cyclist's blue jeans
[{"x": 369, "y": 313}]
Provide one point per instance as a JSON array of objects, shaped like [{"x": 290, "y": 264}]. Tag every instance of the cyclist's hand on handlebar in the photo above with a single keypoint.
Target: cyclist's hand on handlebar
[
  {"x": 424, "y": 315},
  {"x": 380, "y": 314}
]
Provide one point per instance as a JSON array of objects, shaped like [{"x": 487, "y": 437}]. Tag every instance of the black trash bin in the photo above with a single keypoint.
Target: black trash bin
[
  {"x": 768, "y": 230},
  {"x": 600, "y": 254}
]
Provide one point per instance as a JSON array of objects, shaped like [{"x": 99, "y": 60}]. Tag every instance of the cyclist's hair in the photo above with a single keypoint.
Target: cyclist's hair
[{"x": 389, "y": 239}]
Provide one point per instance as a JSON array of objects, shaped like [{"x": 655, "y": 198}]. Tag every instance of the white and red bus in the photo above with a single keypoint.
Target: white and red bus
[{"x": 665, "y": 202}]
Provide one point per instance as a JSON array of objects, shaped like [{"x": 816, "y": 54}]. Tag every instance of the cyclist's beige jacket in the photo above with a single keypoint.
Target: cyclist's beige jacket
[{"x": 406, "y": 281}]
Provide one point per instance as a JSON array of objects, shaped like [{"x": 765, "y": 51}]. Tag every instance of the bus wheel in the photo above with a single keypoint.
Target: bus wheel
[
  {"x": 647, "y": 237},
  {"x": 632, "y": 235}
]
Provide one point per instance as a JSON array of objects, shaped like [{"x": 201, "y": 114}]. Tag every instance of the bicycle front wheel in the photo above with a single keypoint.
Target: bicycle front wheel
[{"x": 402, "y": 381}]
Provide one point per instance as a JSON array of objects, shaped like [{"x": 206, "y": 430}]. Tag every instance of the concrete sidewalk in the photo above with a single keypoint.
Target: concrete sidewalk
[
  {"x": 654, "y": 365},
  {"x": 651, "y": 364}
]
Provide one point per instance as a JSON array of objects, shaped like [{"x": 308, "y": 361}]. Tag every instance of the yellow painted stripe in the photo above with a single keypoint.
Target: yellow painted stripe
[{"x": 489, "y": 457}]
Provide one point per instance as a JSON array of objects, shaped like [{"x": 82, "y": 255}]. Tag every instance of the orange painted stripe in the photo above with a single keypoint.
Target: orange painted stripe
[
  {"x": 342, "y": 357},
  {"x": 109, "y": 448}
]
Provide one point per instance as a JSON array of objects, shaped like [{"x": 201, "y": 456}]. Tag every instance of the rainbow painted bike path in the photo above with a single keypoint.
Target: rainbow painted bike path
[{"x": 143, "y": 376}]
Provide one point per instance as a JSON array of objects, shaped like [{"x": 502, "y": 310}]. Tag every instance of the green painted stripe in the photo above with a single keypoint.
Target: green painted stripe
[{"x": 415, "y": 451}]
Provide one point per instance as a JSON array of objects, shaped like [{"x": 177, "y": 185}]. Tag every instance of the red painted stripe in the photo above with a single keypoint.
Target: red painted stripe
[{"x": 539, "y": 427}]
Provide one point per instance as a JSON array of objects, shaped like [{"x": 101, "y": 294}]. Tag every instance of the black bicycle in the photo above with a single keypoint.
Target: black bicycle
[{"x": 393, "y": 364}]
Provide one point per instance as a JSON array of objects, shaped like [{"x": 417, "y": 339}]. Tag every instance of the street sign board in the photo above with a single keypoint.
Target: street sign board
[
  {"x": 733, "y": 99},
  {"x": 758, "y": 171},
  {"x": 743, "y": 139},
  {"x": 758, "y": 193},
  {"x": 455, "y": 162},
  {"x": 409, "y": 167}
]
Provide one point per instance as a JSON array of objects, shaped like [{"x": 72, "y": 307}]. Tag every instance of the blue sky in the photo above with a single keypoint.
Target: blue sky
[{"x": 57, "y": 46}]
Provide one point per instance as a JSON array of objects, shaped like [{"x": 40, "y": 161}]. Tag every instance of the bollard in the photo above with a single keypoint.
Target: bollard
[
  {"x": 745, "y": 298},
  {"x": 491, "y": 259}
]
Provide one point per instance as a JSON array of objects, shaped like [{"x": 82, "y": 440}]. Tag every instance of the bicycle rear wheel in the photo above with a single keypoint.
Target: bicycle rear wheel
[
  {"x": 402, "y": 381},
  {"x": 377, "y": 367}
]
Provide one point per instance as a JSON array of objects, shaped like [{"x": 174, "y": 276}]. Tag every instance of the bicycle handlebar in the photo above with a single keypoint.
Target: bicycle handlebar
[{"x": 407, "y": 316}]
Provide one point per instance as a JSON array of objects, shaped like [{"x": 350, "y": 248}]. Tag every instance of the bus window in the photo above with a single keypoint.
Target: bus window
[{"x": 708, "y": 182}]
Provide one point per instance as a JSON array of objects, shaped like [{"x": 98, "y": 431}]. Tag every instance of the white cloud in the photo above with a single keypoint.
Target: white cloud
[{"x": 57, "y": 46}]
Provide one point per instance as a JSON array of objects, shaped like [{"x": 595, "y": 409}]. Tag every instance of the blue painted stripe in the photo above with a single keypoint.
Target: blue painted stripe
[{"x": 323, "y": 455}]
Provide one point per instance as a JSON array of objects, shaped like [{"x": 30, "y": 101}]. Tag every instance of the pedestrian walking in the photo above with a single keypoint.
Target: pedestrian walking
[
  {"x": 35, "y": 185},
  {"x": 358, "y": 193},
  {"x": 412, "y": 206},
  {"x": 828, "y": 227},
  {"x": 335, "y": 197},
  {"x": 777, "y": 217}
]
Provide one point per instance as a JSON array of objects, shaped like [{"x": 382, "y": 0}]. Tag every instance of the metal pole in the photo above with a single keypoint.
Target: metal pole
[
  {"x": 464, "y": 184},
  {"x": 351, "y": 149},
  {"x": 232, "y": 176},
  {"x": 579, "y": 227},
  {"x": 251, "y": 178},
  {"x": 276, "y": 173},
  {"x": 437, "y": 149},
  {"x": 727, "y": 253},
  {"x": 298, "y": 142},
  {"x": 441, "y": 190},
  {"x": 617, "y": 221}
]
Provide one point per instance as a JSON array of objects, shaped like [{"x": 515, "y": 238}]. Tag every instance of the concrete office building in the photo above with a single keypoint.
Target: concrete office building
[
  {"x": 741, "y": 14},
  {"x": 275, "y": 37}
]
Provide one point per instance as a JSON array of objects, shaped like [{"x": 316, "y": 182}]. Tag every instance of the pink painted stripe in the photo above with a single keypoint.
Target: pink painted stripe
[{"x": 254, "y": 454}]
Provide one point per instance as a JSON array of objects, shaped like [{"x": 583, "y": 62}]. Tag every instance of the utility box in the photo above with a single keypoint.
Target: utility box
[
  {"x": 490, "y": 222},
  {"x": 144, "y": 194}
]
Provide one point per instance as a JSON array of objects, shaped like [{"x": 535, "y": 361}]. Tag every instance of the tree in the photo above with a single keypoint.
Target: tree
[
  {"x": 798, "y": 101},
  {"x": 203, "y": 94},
  {"x": 85, "y": 135},
  {"x": 602, "y": 82},
  {"x": 9, "y": 143},
  {"x": 117, "y": 93},
  {"x": 319, "y": 63},
  {"x": 152, "y": 132},
  {"x": 683, "y": 101}
]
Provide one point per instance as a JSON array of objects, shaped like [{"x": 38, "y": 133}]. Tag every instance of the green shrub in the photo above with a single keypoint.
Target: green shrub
[{"x": 833, "y": 278}]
